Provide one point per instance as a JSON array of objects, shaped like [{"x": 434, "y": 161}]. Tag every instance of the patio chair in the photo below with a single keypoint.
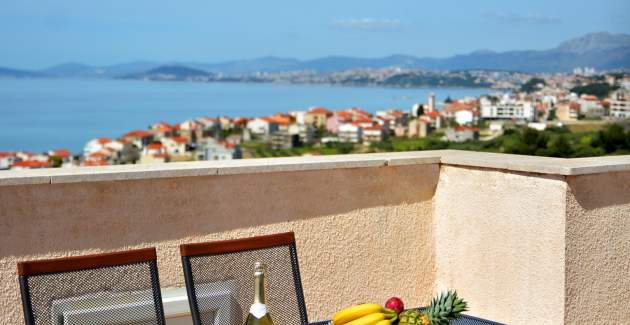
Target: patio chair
[
  {"x": 100, "y": 289},
  {"x": 220, "y": 279}
]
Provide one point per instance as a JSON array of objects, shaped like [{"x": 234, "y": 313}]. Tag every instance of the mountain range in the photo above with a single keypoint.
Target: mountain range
[{"x": 602, "y": 51}]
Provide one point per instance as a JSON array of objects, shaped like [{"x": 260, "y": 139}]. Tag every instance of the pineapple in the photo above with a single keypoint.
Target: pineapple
[
  {"x": 442, "y": 310},
  {"x": 413, "y": 317}
]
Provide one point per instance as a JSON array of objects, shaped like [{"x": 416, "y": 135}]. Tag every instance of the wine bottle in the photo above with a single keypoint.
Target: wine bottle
[{"x": 258, "y": 314}]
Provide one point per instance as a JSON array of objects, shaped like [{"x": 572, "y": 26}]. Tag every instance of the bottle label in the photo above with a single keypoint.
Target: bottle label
[{"x": 258, "y": 310}]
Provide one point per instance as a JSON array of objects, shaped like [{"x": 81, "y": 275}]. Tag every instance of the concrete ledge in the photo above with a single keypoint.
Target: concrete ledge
[
  {"x": 532, "y": 164},
  {"x": 207, "y": 168}
]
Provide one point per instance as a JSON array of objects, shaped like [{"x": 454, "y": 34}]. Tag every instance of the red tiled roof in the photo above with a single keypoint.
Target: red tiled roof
[
  {"x": 319, "y": 110},
  {"x": 98, "y": 154},
  {"x": 31, "y": 164},
  {"x": 103, "y": 140},
  {"x": 61, "y": 153},
  {"x": 180, "y": 140},
  {"x": 163, "y": 127},
  {"x": 7, "y": 154},
  {"x": 458, "y": 106},
  {"x": 154, "y": 146},
  {"x": 374, "y": 128},
  {"x": 95, "y": 163},
  {"x": 241, "y": 121},
  {"x": 434, "y": 114},
  {"x": 138, "y": 134}
]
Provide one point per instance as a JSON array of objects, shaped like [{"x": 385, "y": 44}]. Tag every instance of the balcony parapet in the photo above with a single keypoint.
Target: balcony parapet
[{"x": 518, "y": 163}]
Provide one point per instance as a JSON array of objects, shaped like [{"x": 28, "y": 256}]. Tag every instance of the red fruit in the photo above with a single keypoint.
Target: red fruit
[{"x": 396, "y": 304}]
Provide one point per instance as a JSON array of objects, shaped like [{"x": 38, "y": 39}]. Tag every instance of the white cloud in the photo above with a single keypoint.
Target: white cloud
[
  {"x": 532, "y": 18},
  {"x": 368, "y": 24}
]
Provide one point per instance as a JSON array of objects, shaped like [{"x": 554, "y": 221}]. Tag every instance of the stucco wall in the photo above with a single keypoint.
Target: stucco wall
[
  {"x": 598, "y": 249},
  {"x": 499, "y": 240},
  {"x": 362, "y": 233}
]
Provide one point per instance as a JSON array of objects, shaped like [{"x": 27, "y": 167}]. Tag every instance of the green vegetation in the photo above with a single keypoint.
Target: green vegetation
[
  {"x": 532, "y": 85},
  {"x": 599, "y": 89},
  {"x": 611, "y": 139}
]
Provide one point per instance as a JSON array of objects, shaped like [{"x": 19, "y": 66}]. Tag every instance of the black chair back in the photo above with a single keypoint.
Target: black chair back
[
  {"x": 100, "y": 289},
  {"x": 220, "y": 279}
]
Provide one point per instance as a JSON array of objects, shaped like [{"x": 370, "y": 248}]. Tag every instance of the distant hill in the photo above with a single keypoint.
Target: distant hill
[
  {"x": 78, "y": 70},
  {"x": 602, "y": 51},
  {"x": 172, "y": 72},
  {"x": 16, "y": 73}
]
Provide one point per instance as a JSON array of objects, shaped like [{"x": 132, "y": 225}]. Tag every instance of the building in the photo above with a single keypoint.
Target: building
[
  {"x": 464, "y": 117},
  {"x": 154, "y": 153},
  {"x": 162, "y": 129},
  {"x": 284, "y": 139},
  {"x": 7, "y": 159},
  {"x": 209, "y": 149},
  {"x": 568, "y": 111},
  {"x": 95, "y": 145},
  {"x": 431, "y": 105},
  {"x": 462, "y": 134},
  {"x": 139, "y": 138},
  {"x": 620, "y": 104},
  {"x": 317, "y": 117},
  {"x": 175, "y": 145},
  {"x": 507, "y": 108},
  {"x": 590, "y": 106},
  {"x": 434, "y": 118},
  {"x": 350, "y": 132},
  {"x": 191, "y": 129},
  {"x": 262, "y": 126},
  {"x": 374, "y": 133}
]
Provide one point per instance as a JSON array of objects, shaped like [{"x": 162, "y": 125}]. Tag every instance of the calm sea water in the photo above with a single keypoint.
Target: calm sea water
[{"x": 43, "y": 114}]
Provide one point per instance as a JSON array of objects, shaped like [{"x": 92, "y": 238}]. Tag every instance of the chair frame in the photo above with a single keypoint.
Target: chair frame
[
  {"x": 240, "y": 245},
  {"x": 27, "y": 269}
]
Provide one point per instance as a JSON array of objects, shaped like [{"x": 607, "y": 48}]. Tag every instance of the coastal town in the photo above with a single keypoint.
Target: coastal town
[{"x": 537, "y": 102}]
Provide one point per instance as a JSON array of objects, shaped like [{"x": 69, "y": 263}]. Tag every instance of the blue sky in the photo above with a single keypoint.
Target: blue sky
[{"x": 37, "y": 33}]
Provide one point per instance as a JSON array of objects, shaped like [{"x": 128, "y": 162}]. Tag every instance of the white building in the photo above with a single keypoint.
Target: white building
[
  {"x": 507, "y": 108},
  {"x": 464, "y": 117},
  {"x": 350, "y": 132},
  {"x": 6, "y": 159},
  {"x": 208, "y": 149},
  {"x": 590, "y": 106},
  {"x": 175, "y": 145},
  {"x": 262, "y": 126},
  {"x": 95, "y": 145},
  {"x": 620, "y": 104},
  {"x": 373, "y": 134}
]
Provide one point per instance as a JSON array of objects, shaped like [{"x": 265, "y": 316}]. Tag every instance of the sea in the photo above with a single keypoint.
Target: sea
[{"x": 42, "y": 114}]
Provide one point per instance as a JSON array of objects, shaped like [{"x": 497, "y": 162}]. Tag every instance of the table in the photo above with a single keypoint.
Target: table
[{"x": 462, "y": 320}]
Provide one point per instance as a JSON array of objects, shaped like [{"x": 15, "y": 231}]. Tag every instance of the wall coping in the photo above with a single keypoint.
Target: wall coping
[{"x": 531, "y": 164}]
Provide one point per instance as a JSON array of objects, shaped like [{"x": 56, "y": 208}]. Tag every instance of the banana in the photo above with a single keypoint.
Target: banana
[
  {"x": 370, "y": 319},
  {"x": 384, "y": 322},
  {"x": 355, "y": 312}
]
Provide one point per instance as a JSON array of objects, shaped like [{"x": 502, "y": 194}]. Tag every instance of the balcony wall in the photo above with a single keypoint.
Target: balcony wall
[{"x": 524, "y": 239}]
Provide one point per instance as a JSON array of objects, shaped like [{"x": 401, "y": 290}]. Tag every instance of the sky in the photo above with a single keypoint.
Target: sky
[{"x": 40, "y": 33}]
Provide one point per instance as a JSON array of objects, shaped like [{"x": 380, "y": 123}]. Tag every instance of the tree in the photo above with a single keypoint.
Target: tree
[
  {"x": 613, "y": 138},
  {"x": 532, "y": 85},
  {"x": 55, "y": 161},
  {"x": 599, "y": 89}
]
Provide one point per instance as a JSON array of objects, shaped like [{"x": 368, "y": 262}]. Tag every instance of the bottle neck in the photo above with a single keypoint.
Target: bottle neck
[{"x": 259, "y": 287}]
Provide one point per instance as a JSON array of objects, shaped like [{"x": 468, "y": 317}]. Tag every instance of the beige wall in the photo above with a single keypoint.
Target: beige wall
[
  {"x": 598, "y": 249},
  {"x": 362, "y": 234},
  {"x": 499, "y": 240}
]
